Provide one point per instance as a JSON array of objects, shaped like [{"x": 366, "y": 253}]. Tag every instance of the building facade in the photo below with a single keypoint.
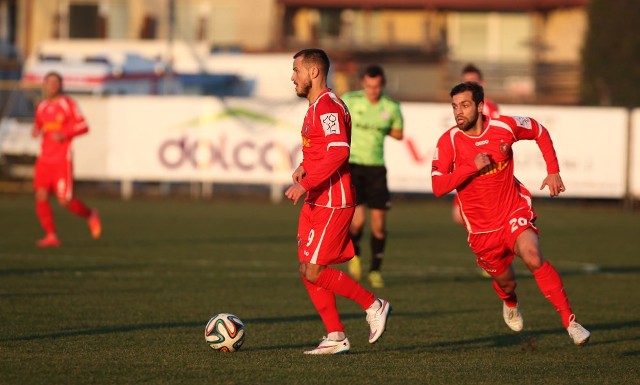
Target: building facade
[{"x": 529, "y": 50}]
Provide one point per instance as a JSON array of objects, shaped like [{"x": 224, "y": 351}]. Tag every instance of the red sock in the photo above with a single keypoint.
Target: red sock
[
  {"x": 551, "y": 287},
  {"x": 77, "y": 207},
  {"x": 340, "y": 283},
  {"x": 325, "y": 303},
  {"x": 45, "y": 216},
  {"x": 511, "y": 300}
]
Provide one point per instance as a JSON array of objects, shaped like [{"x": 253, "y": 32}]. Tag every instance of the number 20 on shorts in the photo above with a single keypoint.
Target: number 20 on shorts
[{"x": 516, "y": 222}]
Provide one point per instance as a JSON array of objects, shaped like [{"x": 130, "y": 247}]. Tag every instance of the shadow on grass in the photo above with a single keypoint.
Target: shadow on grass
[
  {"x": 169, "y": 325},
  {"x": 203, "y": 240},
  {"x": 526, "y": 339},
  {"x": 625, "y": 270},
  {"x": 470, "y": 273},
  {"x": 65, "y": 270},
  {"x": 587, "y": 270},
  {"x": 199, "y": 323}
]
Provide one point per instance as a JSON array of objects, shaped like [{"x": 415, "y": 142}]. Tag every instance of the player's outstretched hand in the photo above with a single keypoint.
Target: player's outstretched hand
[
  {"x": 555, "y": 184},
  {"x": 295, "y": 192}
]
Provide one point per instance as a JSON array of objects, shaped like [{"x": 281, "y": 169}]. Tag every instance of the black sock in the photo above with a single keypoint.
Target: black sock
[
  {"x": 355, "y": 238},
  {"x": 377, "y": 252}
]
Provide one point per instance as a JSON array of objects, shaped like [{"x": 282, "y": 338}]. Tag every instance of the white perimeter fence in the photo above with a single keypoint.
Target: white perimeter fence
[{"x": 247, "y": 141}]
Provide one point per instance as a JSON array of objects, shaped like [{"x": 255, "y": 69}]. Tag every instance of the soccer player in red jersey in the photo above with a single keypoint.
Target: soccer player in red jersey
[
  {"x": 323, "y": 228},
  {"x": 471, "y": 73},
  {"x": 475, "y": 157},
  {"x": 58, "y": 120}
]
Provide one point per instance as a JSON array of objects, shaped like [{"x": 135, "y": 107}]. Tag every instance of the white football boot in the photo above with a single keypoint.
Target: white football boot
[
  {"x": 577, "y": 332},
  {"x": 512, "y": 317},
  {"x": 377, "y": 315},
  {"x": 328, "y": 346}
]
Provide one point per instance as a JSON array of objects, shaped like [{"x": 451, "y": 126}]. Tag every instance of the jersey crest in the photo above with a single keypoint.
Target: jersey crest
[
  {"x": 505, "y": 148},
  {"x": 330, "y": 123},
  {"x": 523, "y": 121}
]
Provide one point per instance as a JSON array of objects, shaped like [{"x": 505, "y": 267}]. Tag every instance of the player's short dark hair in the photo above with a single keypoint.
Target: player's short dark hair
[
  {"x": 315, "y": 56},
  {"x": 374, "y": 71},
  {"x": 55, "y": 74},
  {"x": 471, "y": 68},
  {"x": 477, "y": 92}
]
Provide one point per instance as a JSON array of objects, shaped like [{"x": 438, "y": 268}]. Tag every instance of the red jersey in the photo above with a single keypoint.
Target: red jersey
[
  {"x": 488, "y": 196},
  {"x": 490, "y": 109},
  {"x": 58, "y": 116},
  {"x": 326, "y": 138}
]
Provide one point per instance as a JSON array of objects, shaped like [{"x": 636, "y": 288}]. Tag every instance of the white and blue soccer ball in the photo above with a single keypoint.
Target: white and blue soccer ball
[{"x": 224, "y": 332}]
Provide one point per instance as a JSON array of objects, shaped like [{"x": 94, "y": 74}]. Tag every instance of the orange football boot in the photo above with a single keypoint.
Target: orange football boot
[{"x": 95, "y": 225}]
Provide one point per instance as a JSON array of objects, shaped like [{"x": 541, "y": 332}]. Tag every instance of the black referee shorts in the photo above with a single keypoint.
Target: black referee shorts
[{"x": 371, "y": 186}]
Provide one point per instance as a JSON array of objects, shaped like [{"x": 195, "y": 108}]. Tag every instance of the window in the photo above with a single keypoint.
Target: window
[
  {"x": 84, "y": 21},
  {"x": 330, "y": 22},
  {"x": 490, "y": 36}
]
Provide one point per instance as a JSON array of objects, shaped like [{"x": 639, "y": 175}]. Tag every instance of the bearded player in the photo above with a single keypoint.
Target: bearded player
[
  {"x": 323, "y": 228},
  {"x": 475, "y": 157},
  {"x": 471, "y": 73}
]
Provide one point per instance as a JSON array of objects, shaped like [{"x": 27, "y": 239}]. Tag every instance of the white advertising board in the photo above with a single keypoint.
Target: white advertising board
[
  {"x": 192, "y": 139},
  {"x": 634, "y": 171},
  {"x": 591, "y": 146},
  {"x": 258, "y": 142},
  {"x": 583, "y": 138},
  {"x": 409, "y": 161}
]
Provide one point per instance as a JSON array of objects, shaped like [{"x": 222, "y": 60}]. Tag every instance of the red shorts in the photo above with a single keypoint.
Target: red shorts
[
  {"x": 495, "y": 250},
  {"x": 323, "y": 235},
  {"x": 54, "y": 177}
]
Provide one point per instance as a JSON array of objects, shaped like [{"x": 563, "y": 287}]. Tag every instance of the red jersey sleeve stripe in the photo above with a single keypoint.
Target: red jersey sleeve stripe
[
  {"x": 338, "y": 144},
  {"x": 504, "y": 125}
]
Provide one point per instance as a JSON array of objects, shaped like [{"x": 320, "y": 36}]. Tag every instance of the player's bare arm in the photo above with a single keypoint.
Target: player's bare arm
[
  {"x": 298, "y": 174},
  {"x": 295, "y": 192},
  {"x": 555, "y": 184}
]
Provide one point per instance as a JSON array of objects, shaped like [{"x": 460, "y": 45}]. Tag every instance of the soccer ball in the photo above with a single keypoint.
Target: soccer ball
[{"x": 224, "y": 332}]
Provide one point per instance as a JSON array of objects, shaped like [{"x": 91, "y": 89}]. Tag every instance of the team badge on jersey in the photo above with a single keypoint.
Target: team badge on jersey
[
  {"x": 330, "y": 123},
  {"x": 523, "y": 122},
  {"x": 504, "y": 148}
]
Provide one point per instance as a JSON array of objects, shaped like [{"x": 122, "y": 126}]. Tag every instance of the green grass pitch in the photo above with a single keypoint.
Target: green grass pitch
[{"x": 131, "y": 307}]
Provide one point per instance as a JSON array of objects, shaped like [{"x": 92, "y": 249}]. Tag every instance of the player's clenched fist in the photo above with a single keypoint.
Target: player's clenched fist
[{"x": 482, "y": 160}]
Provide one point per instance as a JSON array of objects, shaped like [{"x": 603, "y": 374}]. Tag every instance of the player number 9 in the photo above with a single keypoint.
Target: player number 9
[{"x": 310, "y": 238}]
